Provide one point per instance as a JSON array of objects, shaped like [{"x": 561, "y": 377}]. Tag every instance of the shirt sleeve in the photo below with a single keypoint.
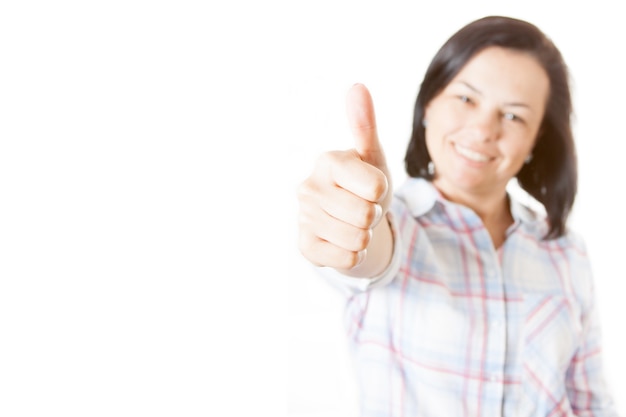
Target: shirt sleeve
[
  {"x": 351, "y": 285},
  {"x": 586, "y": 387}
]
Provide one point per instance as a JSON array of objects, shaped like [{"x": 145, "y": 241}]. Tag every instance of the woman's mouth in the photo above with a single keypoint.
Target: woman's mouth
[{"x": 471, "y": 154}]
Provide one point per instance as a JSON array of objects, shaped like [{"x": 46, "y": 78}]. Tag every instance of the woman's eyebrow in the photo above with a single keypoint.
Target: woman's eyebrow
[
  {"x": 471, "y": 87},
  {"x": 507, "y": 104}
]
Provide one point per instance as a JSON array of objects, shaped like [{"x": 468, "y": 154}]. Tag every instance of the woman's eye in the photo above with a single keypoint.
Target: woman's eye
[
  {"x": 464, "y": 99},
  {"x": 512, "y": 116}
]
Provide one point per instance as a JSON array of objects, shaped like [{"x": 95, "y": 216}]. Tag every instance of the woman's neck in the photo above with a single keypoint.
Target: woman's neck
[{"x": 493, "y": 209}]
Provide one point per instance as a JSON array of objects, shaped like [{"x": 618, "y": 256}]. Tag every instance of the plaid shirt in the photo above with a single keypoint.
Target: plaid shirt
[{"x": 455, "y": 327}]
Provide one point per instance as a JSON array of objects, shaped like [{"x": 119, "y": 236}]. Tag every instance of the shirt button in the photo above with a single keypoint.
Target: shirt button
[{"x": 493, "y": 378}]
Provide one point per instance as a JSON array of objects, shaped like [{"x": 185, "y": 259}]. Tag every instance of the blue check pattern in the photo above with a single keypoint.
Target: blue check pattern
[{"x": 455, "y": 327}]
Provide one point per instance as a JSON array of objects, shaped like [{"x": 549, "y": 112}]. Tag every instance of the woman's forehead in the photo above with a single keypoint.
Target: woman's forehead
[{"x": 505, "y": 74}]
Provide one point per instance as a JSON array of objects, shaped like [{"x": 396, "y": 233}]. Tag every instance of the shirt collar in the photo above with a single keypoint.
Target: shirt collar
[{"x": 420, "y": 196}]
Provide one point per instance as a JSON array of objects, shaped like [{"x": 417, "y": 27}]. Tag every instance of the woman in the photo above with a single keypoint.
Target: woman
[{"x": 463, "y": 301}]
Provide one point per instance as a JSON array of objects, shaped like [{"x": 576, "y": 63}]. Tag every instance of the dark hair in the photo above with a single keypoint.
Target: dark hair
[{"x": 551, "y": 176}]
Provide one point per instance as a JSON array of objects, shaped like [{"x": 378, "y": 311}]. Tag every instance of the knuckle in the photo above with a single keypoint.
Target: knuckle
[
  {"x": 362, "y": 239},
  {"x": 303, "y": 223},
  {"x": 304, "y": 242},
  {"x": 306, "y": 248},
  {"x": 305, "y": 189},
  {"x": 367, "y": 216},
  {"x": 375, "y": 186},
  {"x": 379, "y": 187},
  {"x": 327, "y": 159},
  {"x": 351, "y": 259}
]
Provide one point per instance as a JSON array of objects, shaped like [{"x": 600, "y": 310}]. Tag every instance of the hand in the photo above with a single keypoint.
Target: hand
[{"x": 347, "y": 193}]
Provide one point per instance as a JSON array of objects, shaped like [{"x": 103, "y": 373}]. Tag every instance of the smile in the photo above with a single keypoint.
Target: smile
[{"x": 470, "y": 154}]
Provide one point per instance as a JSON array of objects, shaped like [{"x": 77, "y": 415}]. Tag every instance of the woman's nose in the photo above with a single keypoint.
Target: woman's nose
[{"x": 485, "y": 125}]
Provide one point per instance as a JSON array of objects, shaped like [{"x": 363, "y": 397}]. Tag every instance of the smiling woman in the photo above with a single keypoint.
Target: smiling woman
[
  {"x": 537, "y": 88},
  {"x": 476, "y": 141},
  {"x": 462, "y": 300}
]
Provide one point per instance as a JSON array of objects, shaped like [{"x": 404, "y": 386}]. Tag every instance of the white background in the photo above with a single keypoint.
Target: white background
[{"x": 149, "y": 156}]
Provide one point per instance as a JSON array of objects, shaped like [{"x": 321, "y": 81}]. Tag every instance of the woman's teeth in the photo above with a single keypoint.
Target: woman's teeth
[{"x": 470, "y": 154}]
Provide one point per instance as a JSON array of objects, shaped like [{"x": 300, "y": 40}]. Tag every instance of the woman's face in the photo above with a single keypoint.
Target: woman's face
[{"x": 483, "y": 125}]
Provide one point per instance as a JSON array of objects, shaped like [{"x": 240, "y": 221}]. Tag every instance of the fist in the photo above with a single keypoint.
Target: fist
[{"x": 347, "y": 193}]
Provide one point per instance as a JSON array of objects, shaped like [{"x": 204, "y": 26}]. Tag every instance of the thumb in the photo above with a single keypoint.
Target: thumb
[{"x": 362, "y": 120}]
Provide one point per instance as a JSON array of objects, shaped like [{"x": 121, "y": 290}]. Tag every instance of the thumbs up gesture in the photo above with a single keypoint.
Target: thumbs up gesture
[{"x": 344, "y": 199}]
